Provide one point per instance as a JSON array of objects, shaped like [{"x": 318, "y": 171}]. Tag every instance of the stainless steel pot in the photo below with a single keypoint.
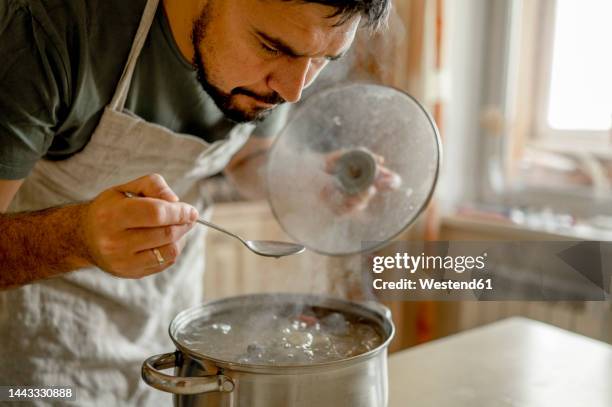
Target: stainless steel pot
[{"x": 202, "y": 381}]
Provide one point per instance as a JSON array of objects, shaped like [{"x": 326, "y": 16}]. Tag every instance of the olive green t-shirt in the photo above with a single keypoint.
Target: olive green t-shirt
[{"x": 60, "y": 61}]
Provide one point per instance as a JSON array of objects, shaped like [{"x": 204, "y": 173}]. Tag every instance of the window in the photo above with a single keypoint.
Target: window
[
  {"x": 580, "y": 84},
  {"x": 548, "y": 102},
  {"x": 574, "y": 86}
]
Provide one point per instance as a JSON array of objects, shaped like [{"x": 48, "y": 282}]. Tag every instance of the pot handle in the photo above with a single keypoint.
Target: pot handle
[{"x": 181, "y": 385}]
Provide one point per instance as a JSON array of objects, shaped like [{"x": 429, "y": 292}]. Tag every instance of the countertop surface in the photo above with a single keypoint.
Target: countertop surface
[{"x": 513, "y": 362}]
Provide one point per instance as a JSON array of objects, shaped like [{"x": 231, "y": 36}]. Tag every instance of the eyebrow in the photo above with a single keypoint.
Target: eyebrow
[{"x": 287, "y": 50}]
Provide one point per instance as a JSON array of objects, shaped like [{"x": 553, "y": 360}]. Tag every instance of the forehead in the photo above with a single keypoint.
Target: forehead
[{"x": 306, "y": 27}]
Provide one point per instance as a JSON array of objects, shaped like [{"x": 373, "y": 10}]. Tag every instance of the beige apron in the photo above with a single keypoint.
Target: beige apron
[{"x": 88, "y": 329}]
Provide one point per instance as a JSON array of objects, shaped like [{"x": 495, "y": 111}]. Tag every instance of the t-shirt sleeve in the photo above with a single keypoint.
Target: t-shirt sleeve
[
  {"x": 32, "y": 83},
  {"x": 274, "y": 123}
]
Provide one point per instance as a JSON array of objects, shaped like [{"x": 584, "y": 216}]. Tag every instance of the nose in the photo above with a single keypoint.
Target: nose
[{"x": 290, "y": 78}]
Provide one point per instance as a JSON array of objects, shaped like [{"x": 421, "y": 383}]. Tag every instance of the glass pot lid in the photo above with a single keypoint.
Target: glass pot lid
[{"x": 343, "y": 146}]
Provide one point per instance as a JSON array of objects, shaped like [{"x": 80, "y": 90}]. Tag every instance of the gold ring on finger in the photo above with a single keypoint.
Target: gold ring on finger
[{"x": 159, "y": 257}]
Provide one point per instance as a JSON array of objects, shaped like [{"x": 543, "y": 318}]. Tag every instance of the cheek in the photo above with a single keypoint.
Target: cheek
[{"x": 236, "y": 64}]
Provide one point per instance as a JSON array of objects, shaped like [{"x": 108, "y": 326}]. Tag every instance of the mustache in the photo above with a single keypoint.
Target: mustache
[{"x": 271, "y": 98}]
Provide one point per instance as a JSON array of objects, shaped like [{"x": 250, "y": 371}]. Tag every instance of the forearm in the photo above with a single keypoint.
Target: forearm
[
  {"x": 41, "y": 244},
  {"x": 249, "y": 178},
  {"x": 247, "y": 170}
]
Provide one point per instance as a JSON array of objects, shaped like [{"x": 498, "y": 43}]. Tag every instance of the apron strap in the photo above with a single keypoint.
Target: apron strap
[{"x": 120, "y": 96}]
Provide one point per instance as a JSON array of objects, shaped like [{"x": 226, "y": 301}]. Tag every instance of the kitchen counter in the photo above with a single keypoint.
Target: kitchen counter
[{"x": 513, "y": 362}]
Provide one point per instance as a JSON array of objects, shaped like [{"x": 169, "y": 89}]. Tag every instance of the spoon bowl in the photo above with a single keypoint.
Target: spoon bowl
[{"x": 270, "y": 248}]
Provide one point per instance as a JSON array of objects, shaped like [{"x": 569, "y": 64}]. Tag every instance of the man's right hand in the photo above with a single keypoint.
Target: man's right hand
[{"x": 121, "y": 233}]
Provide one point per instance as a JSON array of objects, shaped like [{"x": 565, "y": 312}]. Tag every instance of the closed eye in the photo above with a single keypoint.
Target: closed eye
[{"x": 269, "y": 50}]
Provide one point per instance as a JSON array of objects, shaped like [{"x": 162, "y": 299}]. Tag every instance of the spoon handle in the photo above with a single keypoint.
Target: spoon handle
[{"x": 220, "y": 229}]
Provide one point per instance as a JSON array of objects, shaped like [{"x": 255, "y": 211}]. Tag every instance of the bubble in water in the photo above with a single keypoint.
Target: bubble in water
[
  {"x": 335, "y": 323},
  {"x": 255, "y": 349},
  {"x": 344, "y": 348},
  {"x": 364, "y": 331},
  {"x": 225, "y": 328},
  {"x": 299, "y": 339},
  {"x": 321, "y": 341}
]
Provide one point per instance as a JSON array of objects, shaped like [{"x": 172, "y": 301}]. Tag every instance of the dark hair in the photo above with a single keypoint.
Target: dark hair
[{"x": 374, "y": 12}]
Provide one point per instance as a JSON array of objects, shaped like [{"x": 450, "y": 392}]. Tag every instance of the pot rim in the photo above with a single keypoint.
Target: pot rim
[{"x": 314, "y": 299}]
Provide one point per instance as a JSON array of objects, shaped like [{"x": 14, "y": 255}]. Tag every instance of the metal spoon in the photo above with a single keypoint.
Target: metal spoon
[{"x": 268, "y": 248}]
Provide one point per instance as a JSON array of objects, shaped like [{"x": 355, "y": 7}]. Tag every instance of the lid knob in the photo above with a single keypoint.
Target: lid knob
[{"x": 355, "y": 171}]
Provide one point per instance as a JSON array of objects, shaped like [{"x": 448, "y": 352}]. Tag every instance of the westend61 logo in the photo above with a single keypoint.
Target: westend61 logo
[{"x": 405, "y": 261}]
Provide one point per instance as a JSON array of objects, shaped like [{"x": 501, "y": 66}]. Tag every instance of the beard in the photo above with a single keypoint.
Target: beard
[{"x": 223, "y": 100}]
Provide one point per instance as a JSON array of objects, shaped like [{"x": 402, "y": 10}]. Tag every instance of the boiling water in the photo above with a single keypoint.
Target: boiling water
[{"x": 264, "y": 336}]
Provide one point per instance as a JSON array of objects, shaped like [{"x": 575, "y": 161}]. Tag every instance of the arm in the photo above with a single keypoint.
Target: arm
[
  {"x": 40, "y": 244},
  {"x": 112, "y": 232},
  {"x": 246, "y": 170},
  {"x": 8, "y": 189}
]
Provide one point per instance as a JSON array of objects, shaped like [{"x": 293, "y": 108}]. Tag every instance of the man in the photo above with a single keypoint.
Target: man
[{"x": 111, "y": 111}]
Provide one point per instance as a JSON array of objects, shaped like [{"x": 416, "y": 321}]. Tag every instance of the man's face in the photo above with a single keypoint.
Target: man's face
[{"x": 252, "y": 55}]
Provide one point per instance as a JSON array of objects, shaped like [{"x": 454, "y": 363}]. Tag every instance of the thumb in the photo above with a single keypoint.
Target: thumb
[{"x": 150, "y": 186}]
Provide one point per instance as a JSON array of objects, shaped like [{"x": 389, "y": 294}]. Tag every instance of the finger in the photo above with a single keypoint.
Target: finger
[
  {"x": 342, "y": 204},
  {"x": 149, "y": 270},
  {"x": 148, "y": 261},
  {"x": 360, "y": 201},
  {"x": 330, "y": 161},
  {"x": 380, "y": 160},
  {"x": 387, "y": 180},
  {"x": 148, "y": 238},
  {"x": 152, "y": 186},
  {"x": 151, "y": 212}
]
